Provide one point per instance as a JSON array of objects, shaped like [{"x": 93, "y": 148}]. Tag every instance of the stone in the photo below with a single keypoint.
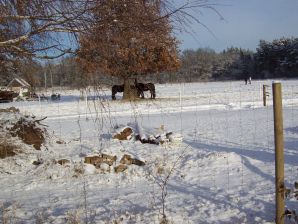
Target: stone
[
  {"x": 138, "y": 162},
  {"x": 63, "y": 162},
  {"x": 37, "y": 163},
  {"x": 124, "y": 135},
  {"x": 108, "y": 159},
  {"x": 60, "y": 142},
  {"x": 102, "y": 158},
  {"x": 94, "y": 160},
  {"x": 120, "y": 168},
  {"x": 126, "y": 159}
]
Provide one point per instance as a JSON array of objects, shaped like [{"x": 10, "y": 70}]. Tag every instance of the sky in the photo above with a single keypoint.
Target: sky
[{"x": 244, "y": 24}]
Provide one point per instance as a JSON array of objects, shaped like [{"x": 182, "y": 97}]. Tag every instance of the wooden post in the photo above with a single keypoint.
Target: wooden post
[{"x": 279, "y": 152}]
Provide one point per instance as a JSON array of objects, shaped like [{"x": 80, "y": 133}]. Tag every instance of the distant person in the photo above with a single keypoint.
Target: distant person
[
  {"x": 249, "y": 80},
  {"x": 245, "y": 80}
]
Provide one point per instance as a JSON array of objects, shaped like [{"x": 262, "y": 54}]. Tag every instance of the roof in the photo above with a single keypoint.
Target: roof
[{"x": 22, "y": 82}]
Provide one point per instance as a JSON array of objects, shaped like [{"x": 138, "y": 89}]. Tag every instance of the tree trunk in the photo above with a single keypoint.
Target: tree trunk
[{"x": 130, "y": 91}]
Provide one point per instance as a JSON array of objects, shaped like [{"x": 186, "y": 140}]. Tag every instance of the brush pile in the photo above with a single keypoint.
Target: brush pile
[{"x": 17, "y": 128}]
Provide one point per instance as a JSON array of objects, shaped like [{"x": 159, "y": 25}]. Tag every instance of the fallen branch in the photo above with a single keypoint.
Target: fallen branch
[{"x": 37, "y": 121}]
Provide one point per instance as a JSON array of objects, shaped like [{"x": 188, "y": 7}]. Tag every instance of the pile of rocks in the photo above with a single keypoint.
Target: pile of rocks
[
  {"x": 128, "y": 133},
  {"x": 106, "y": 162}
]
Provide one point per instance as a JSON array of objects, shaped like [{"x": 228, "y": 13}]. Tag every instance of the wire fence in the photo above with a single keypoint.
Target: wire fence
[{"x": 226, "y": 159}]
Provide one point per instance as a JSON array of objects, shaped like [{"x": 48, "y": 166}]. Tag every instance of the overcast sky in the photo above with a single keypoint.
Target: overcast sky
[{"x": 245, "y": 23}]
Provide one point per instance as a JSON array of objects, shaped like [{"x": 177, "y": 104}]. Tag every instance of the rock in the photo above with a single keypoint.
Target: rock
[
  {"x": 108, "y": 159},
  {"x": 138, "y": 162},
  {"x": 94, "y": 160},
  {"x": 120, "y": 168},
  {"x": 102, "y": 158},
  {"x": 60, "y": 142},
  {"x": 126, "y": 159},
  {"x": 144, "y": 140},
  {"x": 124, "y": 135},
  {"x": 37, "y": 163},
  {"x": 63, "y": 162}
]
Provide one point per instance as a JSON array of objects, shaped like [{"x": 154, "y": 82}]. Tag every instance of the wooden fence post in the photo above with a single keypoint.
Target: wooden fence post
[{"x": 279, "y": 152}]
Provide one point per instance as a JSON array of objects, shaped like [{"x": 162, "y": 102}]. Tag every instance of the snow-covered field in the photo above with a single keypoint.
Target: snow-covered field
[{"x": 217, "y": 168}]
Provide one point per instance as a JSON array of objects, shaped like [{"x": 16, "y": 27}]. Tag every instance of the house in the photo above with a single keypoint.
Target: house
[{"x": 19, "y": 85}]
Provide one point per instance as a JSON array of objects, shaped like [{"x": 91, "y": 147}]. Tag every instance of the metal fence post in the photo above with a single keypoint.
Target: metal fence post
[
  {"x": 279, "y": 152},
  {"x": 265, "y": 95}
]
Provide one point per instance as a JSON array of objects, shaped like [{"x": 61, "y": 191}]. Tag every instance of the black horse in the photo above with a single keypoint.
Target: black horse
[
  {"x": 55, "y": 96},
  {"x": 117, "y": 89},
  {"x": 146, "y": 87}
]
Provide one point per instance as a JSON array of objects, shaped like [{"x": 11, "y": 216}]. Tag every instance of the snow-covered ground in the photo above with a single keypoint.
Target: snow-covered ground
[{"x": 217, "y": 168}]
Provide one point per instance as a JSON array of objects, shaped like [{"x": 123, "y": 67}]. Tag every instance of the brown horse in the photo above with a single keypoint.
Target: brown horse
[
  {"x": 146, "y": 87},
  {"x": 141, "y": 87}
]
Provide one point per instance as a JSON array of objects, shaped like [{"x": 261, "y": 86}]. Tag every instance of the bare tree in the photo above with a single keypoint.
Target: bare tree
[
  {"x": 43, "y": 29},
  {"x": 33, "y": 28}
]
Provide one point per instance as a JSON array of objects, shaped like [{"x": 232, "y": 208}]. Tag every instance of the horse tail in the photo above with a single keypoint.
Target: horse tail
[{"x": 114, "y": 92}]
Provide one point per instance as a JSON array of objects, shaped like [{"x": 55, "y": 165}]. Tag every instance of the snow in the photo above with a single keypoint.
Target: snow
[{"x": 218, "y": 166}]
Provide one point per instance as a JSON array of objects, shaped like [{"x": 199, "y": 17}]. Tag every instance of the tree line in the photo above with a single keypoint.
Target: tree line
[
  {"x": 121, "y": 40},
  {"x": 276, "y": 59}
]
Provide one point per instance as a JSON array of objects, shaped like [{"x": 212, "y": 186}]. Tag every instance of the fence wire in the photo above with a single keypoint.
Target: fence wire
[{"x": 227, "y": 163}]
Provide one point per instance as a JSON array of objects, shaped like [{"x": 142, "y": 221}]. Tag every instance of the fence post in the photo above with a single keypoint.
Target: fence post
[
  {"x": 279, "y": 152},
  {"x": 265, "y": 94}
]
